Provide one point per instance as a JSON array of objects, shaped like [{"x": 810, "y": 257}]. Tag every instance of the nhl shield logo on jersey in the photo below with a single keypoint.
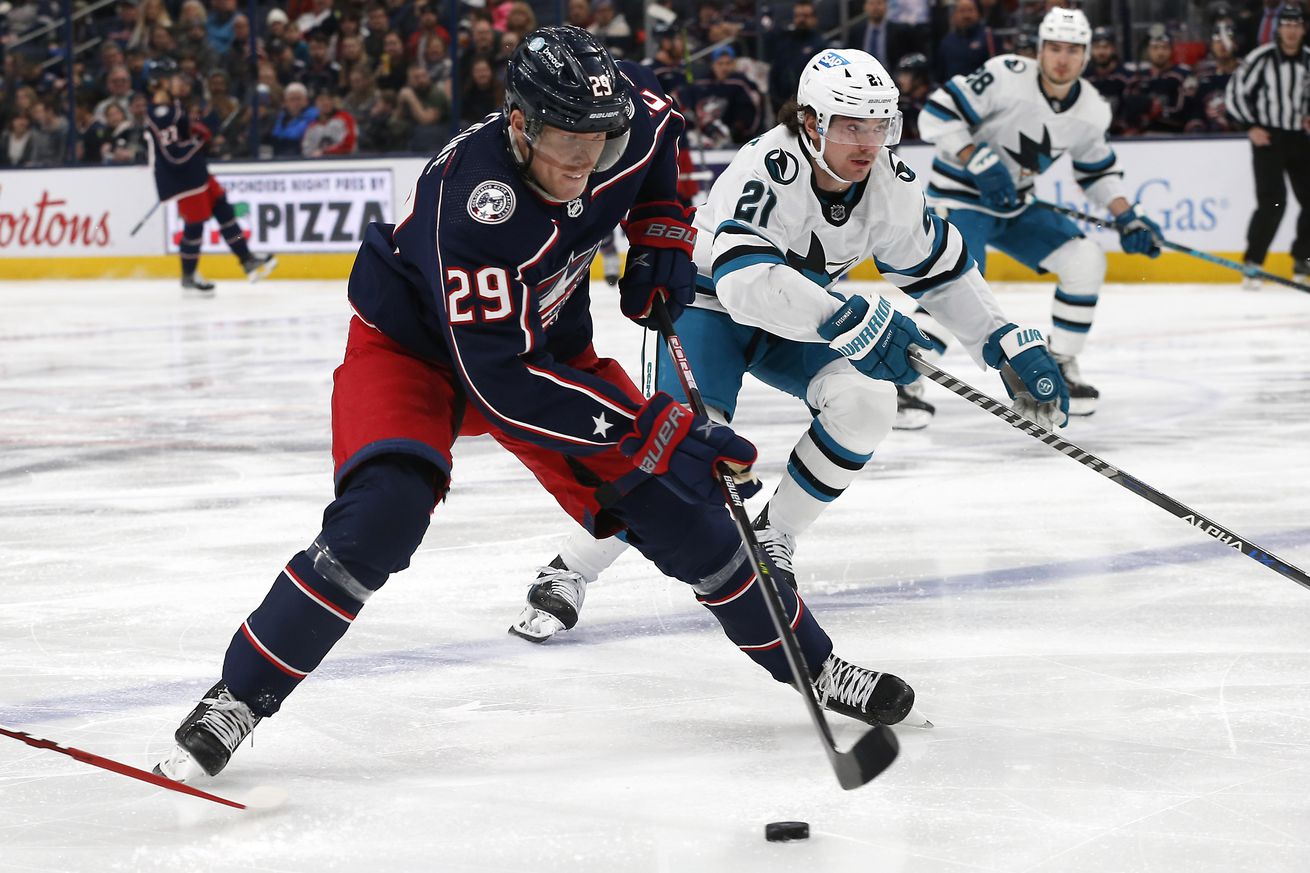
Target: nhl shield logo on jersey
[
  {"x": 491, "y": 202},
  {"x": 574, "y": 207},
  {"x": 782, "y": 166}
]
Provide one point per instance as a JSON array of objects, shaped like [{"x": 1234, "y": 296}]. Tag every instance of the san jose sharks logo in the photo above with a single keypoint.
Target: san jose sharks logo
[
  {"x": 814, "y": 264},
  {"x": 555, "y": 290},
  {"x": 1035, "y": 157}
]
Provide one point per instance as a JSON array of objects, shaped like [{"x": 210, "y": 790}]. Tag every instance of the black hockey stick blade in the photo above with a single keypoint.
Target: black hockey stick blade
[
  {"x": 1178, "y": 247},
  {"x": 877, "y": 749},
  {"x": 872, "y": 753},
  {"x": 1179, "y": 510},
  {"x": 116, "y": 766}
]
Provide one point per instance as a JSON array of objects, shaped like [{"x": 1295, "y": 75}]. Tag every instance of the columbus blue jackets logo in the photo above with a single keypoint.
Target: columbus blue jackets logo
[
  {"x": 782, "y": 166},
  {"x": 491, "y": 202}
]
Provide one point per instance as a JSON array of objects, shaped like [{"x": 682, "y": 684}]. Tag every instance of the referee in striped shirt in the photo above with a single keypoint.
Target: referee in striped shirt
[{"x": 1270, "y": 96}]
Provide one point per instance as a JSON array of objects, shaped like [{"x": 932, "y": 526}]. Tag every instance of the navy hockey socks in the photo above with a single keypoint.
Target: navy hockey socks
[
  {"x": 739, "y": 606},
  {"x": 227, "y": 223},
  {"x": 192, "y": 234}
]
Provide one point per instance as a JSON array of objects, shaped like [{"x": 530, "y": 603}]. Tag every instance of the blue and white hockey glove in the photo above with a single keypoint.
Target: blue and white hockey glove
[
  {"x": 1138, "y": 235},
  {"x": 682, "y": 448},
  {"x": 876, "y": 339},
  {"x": 995, "y": 187},
  {"x": 1031, "y": 376},
  {"x": 659, "y": 262}
]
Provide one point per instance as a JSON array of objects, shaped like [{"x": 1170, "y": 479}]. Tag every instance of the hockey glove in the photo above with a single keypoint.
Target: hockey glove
[
  {"x": 659, "y": 262},
  {"x": 682, "y": 448},
  {"x": 995, "y": 187},
  {"x": 876, "y": 339},
  {"x": 1033, "y": 381},
  {"x": 1138, "y": 235}
]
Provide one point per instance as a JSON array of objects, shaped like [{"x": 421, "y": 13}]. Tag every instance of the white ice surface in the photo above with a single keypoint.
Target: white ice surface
[{"x": 1112, "y": 690}]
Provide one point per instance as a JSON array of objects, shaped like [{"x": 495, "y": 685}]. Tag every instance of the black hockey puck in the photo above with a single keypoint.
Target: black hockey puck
[{"x": 786, "y": 831}]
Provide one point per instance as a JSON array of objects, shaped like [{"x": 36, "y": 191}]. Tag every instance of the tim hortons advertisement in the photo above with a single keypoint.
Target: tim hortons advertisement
[
  {"x": 74, "y": 212},
  {"x": 297, "y": 210}
]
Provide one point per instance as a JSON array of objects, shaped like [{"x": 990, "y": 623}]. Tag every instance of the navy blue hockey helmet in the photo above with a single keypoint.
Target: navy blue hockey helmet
[{"x": 564, "y": 77}]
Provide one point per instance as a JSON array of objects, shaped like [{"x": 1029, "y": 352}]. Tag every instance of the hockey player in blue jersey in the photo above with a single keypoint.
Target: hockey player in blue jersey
[
  {"x": 1008, "y": 122},
  {"x": 473, "y": 317},
  {"x": 797, "y": 208},
  {"x": 177, "y": 152}
]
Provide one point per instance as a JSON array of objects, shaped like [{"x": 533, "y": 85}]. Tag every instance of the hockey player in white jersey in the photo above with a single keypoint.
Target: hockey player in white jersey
[
  {"x": 995, "y": 131},
  {"x": 797, "y": 208}
]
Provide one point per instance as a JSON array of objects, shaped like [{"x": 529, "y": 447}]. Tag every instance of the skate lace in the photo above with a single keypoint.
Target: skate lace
[
  {"x": 568, "y": 585},
  {"x": 845, "y": 683},
  {"x": 228, "y": 719},
  {"x": 779, "y": 547}
]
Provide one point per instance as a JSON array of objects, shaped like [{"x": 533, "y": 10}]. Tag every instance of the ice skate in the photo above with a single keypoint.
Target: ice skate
[
  {"x": 1250, "y": 281},
  {"x": 866, "y": 695},
  {"x": 1301, "y": 272},
  {"x": 208, "y": 736},
  {"x": 196, "y": 285},
  {"x": 778, "y": 546},
  {"x": 554, "y": 602},
  {"x": 1082, "y": 397},
  {"x": 259, "y": 266},
  {"x": 912, "y": 411}
]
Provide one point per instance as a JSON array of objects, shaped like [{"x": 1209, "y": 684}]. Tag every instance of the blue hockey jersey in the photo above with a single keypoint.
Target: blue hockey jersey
[
  {"x": 177, "y": 151},
  {"x": 489, "y": 277}
]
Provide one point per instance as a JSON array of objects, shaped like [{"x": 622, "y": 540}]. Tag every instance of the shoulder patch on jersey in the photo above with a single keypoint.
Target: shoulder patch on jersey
[
  {"x": 782, "y": 166},
  {"x": 1016, "y": 65},
  {"x": 491, "y": 202}
]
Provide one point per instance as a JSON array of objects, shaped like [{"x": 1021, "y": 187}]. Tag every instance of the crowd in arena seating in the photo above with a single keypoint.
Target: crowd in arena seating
[{"x": 336, "y": 77}]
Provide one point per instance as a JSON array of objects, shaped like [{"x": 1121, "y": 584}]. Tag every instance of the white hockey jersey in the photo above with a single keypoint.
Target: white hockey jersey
[
  {"x": 771, "y": 245},
  {"x": 1002, "y": 104}
]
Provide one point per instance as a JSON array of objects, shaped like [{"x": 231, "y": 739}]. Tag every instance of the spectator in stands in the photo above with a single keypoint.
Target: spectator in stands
[
  {"x": 669, "y": 62},
  {"x": 726, "y": 106},
  {"x": 710, "y": 26},
  {"x": 223, "y": 115},
  {"x": 382, "y": 131},
  {"x": 481, "y": 94},
  {"x": 49, "y": 135},
  {"x": 429, "y": 28},
  {"x": 1025, "y": 44},
  {"x": 520, "y": 18},
  {"x": 192, "y": 35},
  {"x": 437, "y": 61},
  {"x": 17, "y": 145},
  {"x": 269, "y": 84},
  {"x": 422, "y": 110},
  {"x": 1209, "y": 108},
  {"x": 967, "y": 45},
  {"x": 790, "y": 49},
  {"x": 350, "y": 54},
  {"x": 376, "y": 26},
  {"x": 578, "y": 13},
  {"x": 118, "y": 84},
  {"x": 220, "y": 25},
  {"x": 361, "y": 94},
  {"x": 914, "y": 80},
  {"x": 321, "y": 71},
  {"x": 1163, "y": 83},
  {"x": 125, "y": 143},
  {"x": 885, "y": 39},
  {"x": 1109, "y": 75},
  {"x": 391, "y": 69},
  {"x": 333, "y": 132},
  {"x": 1263, "y": 27},
  {"x": 484, "y": 44},
  {"x": 612, "y": 29},
  {"x": 119, "y": 28},
  {"x": 290, "y": 124},
  {"x": 151, "y": 15},
  {"x": 91, "y": 134}
]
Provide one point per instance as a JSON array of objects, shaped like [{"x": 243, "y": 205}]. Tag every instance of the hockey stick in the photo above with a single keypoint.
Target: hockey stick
[
  {"x": 876, "y": 750},
  {"x": 1196, "y": 253},
  {"x": 1119, "y": 477},
  {"x": 142, "y": 223},
  {"x": 115, "y": 766}
]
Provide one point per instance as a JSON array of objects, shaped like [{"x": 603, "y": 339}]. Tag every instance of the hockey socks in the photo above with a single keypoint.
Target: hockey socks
[
  {"x": 739, "y": 606},
  {"x": 818, "y": 471},
  {"x": 232, "y": 235},
  {"x": 189, "y": 246}
]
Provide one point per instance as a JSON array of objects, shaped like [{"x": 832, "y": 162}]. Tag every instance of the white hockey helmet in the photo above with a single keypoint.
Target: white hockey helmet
[
  {"x": 851, "y": 84},
  {"x": 1066, "y": 25}
]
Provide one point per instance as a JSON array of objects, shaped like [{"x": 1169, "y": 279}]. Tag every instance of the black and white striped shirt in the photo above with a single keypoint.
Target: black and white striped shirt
[{"x": 1271, "y": 89}]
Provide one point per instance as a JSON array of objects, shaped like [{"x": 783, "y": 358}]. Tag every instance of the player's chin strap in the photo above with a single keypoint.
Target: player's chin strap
[{"x": 818, "y": 156}]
